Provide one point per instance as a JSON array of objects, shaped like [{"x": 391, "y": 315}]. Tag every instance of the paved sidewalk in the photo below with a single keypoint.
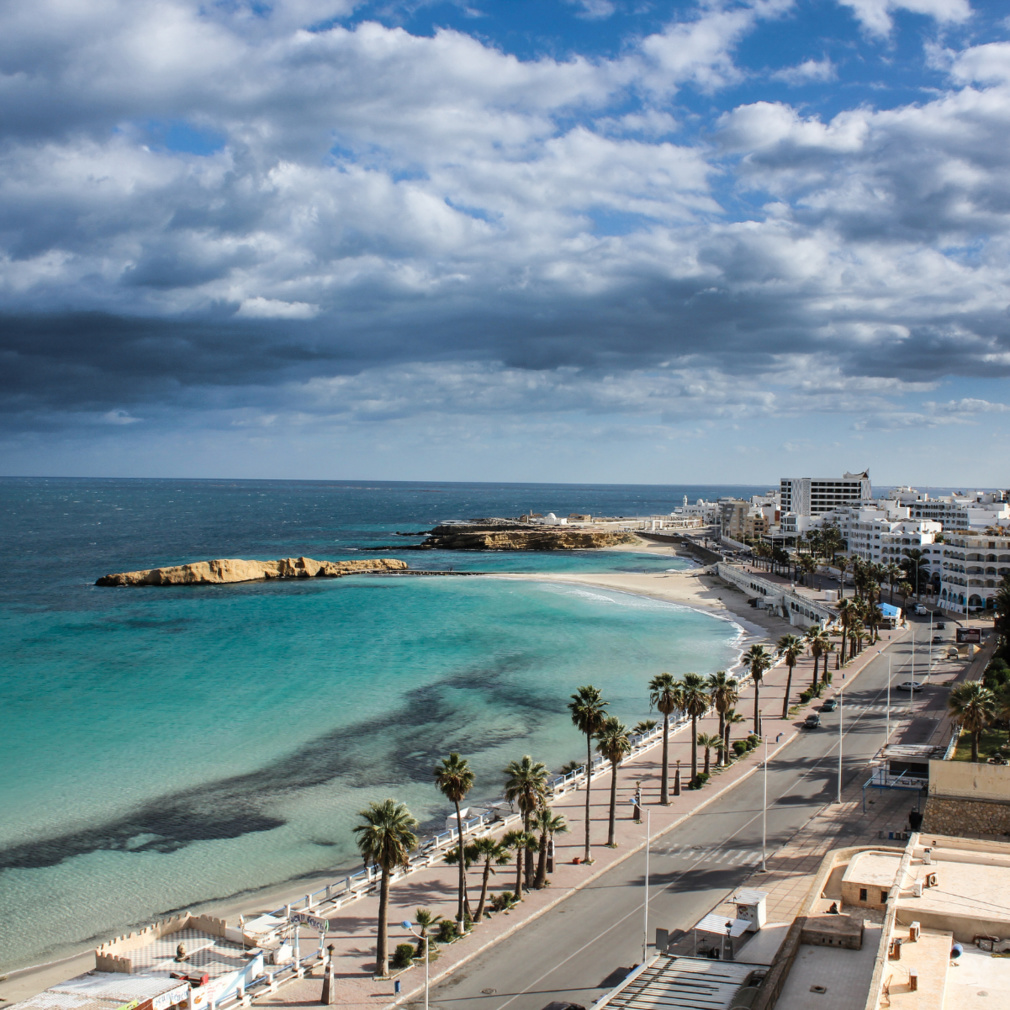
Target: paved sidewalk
[{"x": 435, "y": 887}]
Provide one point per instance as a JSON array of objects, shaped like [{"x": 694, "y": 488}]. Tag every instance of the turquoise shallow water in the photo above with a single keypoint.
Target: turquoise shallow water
[{"x": 164, "y": 747}]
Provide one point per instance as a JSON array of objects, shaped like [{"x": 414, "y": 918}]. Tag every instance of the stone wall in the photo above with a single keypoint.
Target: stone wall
[
  {"x": 973, "y": 818},
  {"x": 115, "y": 955}
]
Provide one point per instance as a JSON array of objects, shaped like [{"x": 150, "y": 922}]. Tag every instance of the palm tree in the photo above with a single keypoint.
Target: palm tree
[
  {"x": 521, "y": 841},
  {"x": 548, "y": 824},
  {"x": 587, "y": 707},
  {"x": 818, "y": 639},
  {"x": 972, "y": 706},
  {"x": 758, "y": 659},
  {"x": 732, "y": 718},
  {"x": 874, "y": 618},
  {"x": 708, "y": 741},
  {"x": 665, "y": 695},
  {"x": 455, "y": 779},
  {"x": 846, "y": 614},
  {"x": 906, "y": 590},
  {"x": 892, "y": 572},
  {"x": 842, "y": 564},
  {"x": 492, "y": 853},
  {"x": 526, "y": 786},
  {"x": 857, "y": 635},
  {"x": 386, "y": 840},
  {"x": 916, "y": 564},
  {"x": 1002, "y": 700},
  {"x": 695, "y": 704},
  {"x": 724, "y": 692},
  {"x": 425, "y": 918},
  {"x": 614, "y": 745},
  {"x": 790, "y": 647},
  {"x": 643, "y": 727}
]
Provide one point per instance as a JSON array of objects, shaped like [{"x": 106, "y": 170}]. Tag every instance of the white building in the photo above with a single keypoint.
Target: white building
[
  {"x": 976, "y": 510},
  {"x": 813, "y": 496},
  {"x": 972, "y": 566}
]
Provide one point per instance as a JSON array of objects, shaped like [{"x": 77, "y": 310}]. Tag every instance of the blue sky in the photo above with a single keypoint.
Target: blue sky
[{"x": 585, "y": 240}]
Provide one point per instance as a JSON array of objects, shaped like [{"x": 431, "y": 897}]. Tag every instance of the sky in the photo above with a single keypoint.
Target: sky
[{"x": 508, "y": 240}]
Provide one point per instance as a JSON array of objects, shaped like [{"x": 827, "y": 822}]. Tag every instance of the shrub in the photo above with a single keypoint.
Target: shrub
[
  {"x": 403, "y": 956},
  {"x": 740, "y": 747},
  {"x": 698, "y": 781},
  {"x": 752, "y": 741},
  {"x": 805, "y": 696},
  {"x": 500, "y": 902},
  {"x": 446, "y": 931}
]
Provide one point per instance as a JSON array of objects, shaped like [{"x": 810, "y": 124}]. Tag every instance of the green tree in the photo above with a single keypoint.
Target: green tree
[
  {"x": 644, "y": 726},
  {"x": 758, "y": 660},
  {"x": 665, "y": 696},
  {"x": 613, "y": 743},
  {"x": 848, "y": 610},
  {"x": 491, "y": 852},
  {"x": 548, "y": 824},
  {"x": 790, "y": 648},
  {"x": 526, "y": 787},
  {"x": 724, "y": 692},
  {"x": 708, "y": 741},
  {"x": 426, "y": 919},
  {"x": 916, "y": 563},
  {"x": 385, "y": 839},
  {"x": 521, "y": 842},
  {"x": 587, "y": 709},
  {"x": 1001, "y": 621},
  {"x": 906, "y": 589},
  {"x": 695, "y": 705},
  {"x": 818, "y": 640},
  {"x": 455, "y": 779},
  {"x": 972, "y": 706},
  {"x": 733, "y": 718}
]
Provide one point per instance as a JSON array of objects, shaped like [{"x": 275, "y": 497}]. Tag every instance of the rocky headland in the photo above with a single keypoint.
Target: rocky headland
[
  {"x": 505, "y": 536},
  {"x": 224, "y": 570}
]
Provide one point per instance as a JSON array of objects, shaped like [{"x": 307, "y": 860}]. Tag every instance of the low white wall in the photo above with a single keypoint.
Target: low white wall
[{"x": 969, "y": 781}]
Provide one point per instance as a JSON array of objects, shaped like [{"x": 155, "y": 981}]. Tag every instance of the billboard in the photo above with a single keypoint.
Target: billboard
[{"x": 969, "y": 636}]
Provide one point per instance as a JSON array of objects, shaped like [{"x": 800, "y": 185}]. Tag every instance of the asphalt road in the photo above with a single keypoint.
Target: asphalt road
[{"x": 586, "y": 944}]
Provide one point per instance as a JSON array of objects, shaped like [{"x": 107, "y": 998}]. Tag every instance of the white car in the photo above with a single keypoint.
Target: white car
[{"x": 910, "y": 685}]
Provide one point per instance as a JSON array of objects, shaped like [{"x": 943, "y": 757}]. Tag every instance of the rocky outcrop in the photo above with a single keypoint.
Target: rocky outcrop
[
  {"x": 521, "y": 537},
  {"x": 223, "y": 570}
]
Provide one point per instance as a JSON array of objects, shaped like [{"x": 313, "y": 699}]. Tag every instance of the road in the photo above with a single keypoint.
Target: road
[{"x": 585, "y": 945}]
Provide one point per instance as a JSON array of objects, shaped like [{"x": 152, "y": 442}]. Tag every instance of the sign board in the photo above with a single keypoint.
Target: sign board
[
  {"x": 969, "y": 635},
  {"x": 322, "y": 925}
]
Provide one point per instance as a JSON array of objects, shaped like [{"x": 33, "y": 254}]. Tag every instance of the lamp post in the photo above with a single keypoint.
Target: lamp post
[
  {"x": 409, "y": 927},
  {"x": 764, "y": 814},
  {"x": 841, "y": 718},
  {"x": 911, "y": 690},
  {"x": 645, "y": 904}
]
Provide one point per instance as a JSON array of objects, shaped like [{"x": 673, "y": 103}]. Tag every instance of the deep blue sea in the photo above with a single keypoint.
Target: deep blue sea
[{"x": 163, "y": 747}]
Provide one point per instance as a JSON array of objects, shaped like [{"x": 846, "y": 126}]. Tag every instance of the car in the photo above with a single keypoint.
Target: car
[
  {"x": 921, "y": 610},
  {"x": 829, "y": 706},
  {"x": 938, "y": 639},
  {"x": 812, "y": 721},
  {"x": 561, "y": 1005},
  {"x": 939, "y": 625},
  {"x": 910, "y": 685}
]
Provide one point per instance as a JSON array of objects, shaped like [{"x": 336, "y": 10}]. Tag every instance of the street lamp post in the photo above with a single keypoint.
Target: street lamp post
[
  {"x": 409, "y": 927},
  {"x": 764, "y": 814},
  {"x": 841, "y": 719},
  {"x": 645, "y": 905},
  {"x": 911, "y": 690}
]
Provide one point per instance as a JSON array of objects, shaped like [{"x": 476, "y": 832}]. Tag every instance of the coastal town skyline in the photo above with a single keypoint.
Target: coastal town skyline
[{"x": 575, "y": 241}]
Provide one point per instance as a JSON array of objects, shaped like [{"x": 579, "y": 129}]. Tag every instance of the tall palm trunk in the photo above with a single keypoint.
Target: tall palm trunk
[
  {"x": 757, "y": 710},
  {"x": 694, "y": 746},
  {"x": 722, "y": 737},
  {"x": 589, "y": 779},
  {"x": 817, "y": 663},
  {"x": 519, "y": 872},
  {"x": 382, "y": 947},
  {"x": 462, "y": 868},
  {"x": 479, "y": 917},
  {"x": 611, "y": 835},
  {"x": 528, "y": 859},
  {"x": 664, "y": 790},
  {"x": 541, "y": 877},
  {"x": 789, "y": 687}
]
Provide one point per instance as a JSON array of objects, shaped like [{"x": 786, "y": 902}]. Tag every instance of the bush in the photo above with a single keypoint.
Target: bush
[
  {"x": 805, "y": 696},
  {"x": 740, "y": 747},
  {"x": 403, "y": 956},
  {"x": 698, "y": 781},
  {"x": 500, "y": 902},
  {"x": 446, "y": 931},
  {"x": 752, "y": 741}
]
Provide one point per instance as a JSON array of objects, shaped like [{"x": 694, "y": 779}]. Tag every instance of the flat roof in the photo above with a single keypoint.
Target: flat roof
[
  {"x": 876, "y": 868},
  {"x": 684, "y": 983},
  {"x": 723, "y": 925},
  {"x": 105, "y": 990}
]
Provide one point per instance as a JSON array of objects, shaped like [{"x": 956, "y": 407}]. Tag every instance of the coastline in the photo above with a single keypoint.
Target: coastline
[{"x": 695, "y": 588}]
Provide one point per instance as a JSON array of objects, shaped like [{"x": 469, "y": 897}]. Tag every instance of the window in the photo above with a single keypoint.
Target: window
[
  {"x": 862, "y": 894},
  {"x": 883, "y": 897}
]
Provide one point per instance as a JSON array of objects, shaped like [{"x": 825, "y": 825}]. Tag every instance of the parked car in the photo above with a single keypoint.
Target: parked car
[
  {"x": 939, "y": 625},
  {"x": 829, "y": 706},
  {"x": 812, "y": 721},
  {"x": 910, "y": 685},
  {"x": 921, "y": 610},
  {"x": 938, "y": 639}
]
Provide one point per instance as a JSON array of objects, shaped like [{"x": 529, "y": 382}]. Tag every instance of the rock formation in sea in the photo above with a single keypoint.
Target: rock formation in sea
[
  {"x": 222, "y": 570},
  {"x": 502, "y": 536}
]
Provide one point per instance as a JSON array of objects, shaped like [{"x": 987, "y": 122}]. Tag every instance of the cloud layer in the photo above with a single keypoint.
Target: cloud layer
[{"x": 250, "y": 218}]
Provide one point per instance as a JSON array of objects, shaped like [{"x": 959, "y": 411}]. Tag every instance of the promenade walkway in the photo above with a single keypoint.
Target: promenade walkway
[{"x": 435, "y": 886}]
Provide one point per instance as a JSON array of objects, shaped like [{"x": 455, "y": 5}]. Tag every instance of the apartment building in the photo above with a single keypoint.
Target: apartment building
[
  {"x": 976, "y": 510},
  {"x": 972, "y": 565},
  {"x": 814, "y": 496}
]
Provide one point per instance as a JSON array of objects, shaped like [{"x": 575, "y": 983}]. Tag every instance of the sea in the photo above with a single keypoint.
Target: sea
[{"x": 169, "y": 747}]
